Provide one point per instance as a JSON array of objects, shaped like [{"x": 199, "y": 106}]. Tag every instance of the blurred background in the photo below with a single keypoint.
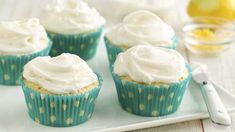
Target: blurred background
[{"x": 113, "y": 10}]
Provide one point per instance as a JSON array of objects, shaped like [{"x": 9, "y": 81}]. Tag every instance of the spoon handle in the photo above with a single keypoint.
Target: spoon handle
[{"x": 216, "y": 109}]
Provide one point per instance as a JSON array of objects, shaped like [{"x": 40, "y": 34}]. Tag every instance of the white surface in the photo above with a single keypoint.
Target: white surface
[
  {"x": 13, "y": 114},
  {"x": 108, "y": 114},
  {"x": 221, "y": 70}
]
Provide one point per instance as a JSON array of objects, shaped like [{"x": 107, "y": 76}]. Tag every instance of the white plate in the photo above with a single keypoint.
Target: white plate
[{"x": 108, "y": 115}]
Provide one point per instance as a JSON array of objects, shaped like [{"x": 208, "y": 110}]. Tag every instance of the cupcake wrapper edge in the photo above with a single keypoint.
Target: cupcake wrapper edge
[
  {"x": 60, "y": 111},
  {"x": 84, "y": 45},
  {"x": 150, "y": 100}
]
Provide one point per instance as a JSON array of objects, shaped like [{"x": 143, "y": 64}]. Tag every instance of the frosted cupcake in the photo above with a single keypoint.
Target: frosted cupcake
[
  {"x": 139, "y": 27},
  {"x": 60, "y": 91},
  {"x": 20, "y": 41},
  {"x": 150, "y": 81},
  {"x": 73, "y": 26}
]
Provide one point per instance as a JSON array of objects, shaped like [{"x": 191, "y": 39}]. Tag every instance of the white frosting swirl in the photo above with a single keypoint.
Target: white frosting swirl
[
  {"x": 141, "y": 27},
  {"x": 148, "y": 64},
  {"x": 70, "y": 17},
  {"x": 62, "y": 74},
  {"x": 22, "y": 37}
]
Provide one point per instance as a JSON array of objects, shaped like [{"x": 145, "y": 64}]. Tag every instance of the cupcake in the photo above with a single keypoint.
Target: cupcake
[
  {"x": 139, "y": 27},
  {"x": 73, "y": 26},
  {"x": 60, "y": 91},
  {"x": 20, "y": 41},
  {"x": 150, "y": 81}
]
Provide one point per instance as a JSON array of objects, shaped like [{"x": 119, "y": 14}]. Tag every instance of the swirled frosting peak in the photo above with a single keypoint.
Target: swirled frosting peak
[
  {"x": 62, "y": 74},
  {"x": 70, "y": 17},
  {"x": 141, "y": 27},
  {"x": 148, "y": 64},
  {"x": 22, "y": 37}
]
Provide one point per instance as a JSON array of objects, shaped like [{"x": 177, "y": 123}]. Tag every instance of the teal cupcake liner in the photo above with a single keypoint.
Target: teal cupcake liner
[
  {"x": 174, "y": 43},
  {"x": 60, "y": 110},
  {"x": 84, "y": 45},
  {"x": 113, "y": 50},
  {"x": 147, "y": 100},
  {"x": 11, "y": 67}
]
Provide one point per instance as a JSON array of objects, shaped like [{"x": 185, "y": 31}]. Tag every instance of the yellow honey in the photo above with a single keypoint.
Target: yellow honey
[
  {"x": 208, "y": 35},
  {"x": 205, "y": 34}
]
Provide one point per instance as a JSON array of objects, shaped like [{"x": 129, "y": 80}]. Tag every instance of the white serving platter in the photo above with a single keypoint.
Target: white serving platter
[{"x": 108, "y": 115}]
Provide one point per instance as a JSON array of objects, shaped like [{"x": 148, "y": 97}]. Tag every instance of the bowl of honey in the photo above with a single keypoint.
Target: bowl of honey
[{"x": 208, "y": 35}]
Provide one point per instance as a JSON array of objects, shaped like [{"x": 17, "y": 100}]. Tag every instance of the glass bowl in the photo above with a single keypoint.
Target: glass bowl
[{"x": 208, "y": 35}]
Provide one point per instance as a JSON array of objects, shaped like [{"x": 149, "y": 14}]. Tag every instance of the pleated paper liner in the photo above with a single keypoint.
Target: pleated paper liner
[
  {"x": 84, "y": 45},
  {"x": 61, "y": 110},
  {"x": 113, "y": 50},
  {"x": 147, "y": 100},
  {"x": 11, "y": 66},
  {"x": 174, "y": 43}
]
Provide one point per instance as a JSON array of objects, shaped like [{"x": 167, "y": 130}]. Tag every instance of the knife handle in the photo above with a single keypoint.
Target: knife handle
[{"x": 215, "y": 107}]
